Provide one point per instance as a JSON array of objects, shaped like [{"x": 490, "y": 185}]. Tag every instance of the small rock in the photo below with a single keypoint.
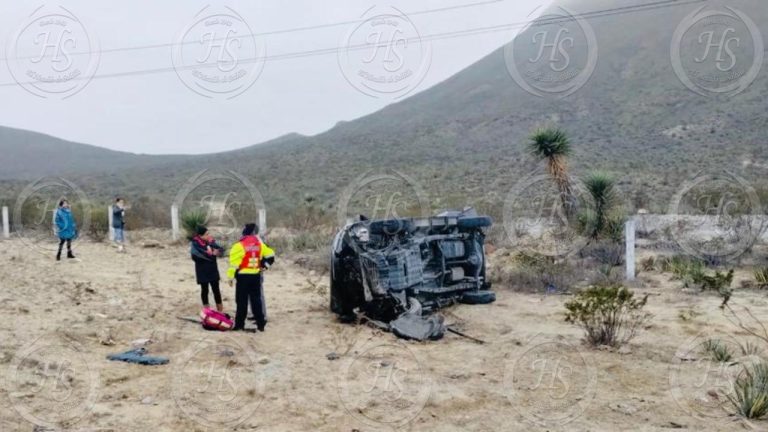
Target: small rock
[
  {"x": 625, "y": 350},
  {"x": 263, "y": 361},
  {"x": 332, "y": 356},
  {"x": 138, "y": 343},
  {"x": 147, "y": 401},
  {"x": 623, "y": 408}
]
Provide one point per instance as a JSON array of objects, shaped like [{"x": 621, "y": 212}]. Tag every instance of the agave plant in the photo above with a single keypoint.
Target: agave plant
[{"x": 553, "y": 146}]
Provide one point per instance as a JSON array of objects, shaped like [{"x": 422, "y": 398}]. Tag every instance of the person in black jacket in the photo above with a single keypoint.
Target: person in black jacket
[{"x": 205, "y": 251}]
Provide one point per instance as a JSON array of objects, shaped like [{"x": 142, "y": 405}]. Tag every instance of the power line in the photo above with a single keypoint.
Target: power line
[
  {"x": 440, "y": 36},
  {"x": 281, "y": 31}
]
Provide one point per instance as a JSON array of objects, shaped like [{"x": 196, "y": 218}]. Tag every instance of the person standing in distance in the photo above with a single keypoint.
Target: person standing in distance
[
  {"x": 247, "y": 258},
  {"x": 118, "y": 223},
  {"x": 66, "y": 228}
]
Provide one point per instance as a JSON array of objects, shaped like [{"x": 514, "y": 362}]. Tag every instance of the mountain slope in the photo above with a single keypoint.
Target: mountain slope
[
  {"x": 28, "y": 155},
  {"x": 463, "y": 139}
]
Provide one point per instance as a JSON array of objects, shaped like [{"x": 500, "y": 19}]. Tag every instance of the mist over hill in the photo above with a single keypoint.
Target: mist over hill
[{"x": 464, "y": 139}]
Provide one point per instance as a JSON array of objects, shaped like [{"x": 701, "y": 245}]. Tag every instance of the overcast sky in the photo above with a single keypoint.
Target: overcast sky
[{"x": 271, "y": 93}]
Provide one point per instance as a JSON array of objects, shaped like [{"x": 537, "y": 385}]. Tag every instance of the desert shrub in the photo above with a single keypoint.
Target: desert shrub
[
  {"x": 750, "y": 391},
  {"x": 607, "y": 253},
  {"x": 147, "y": 212},
  {"x": 310, "y": 241},
  {"x": 532, "y": 272},
  {"x": 682, "y": 267},
  {"x": 99, "y": 227},
  {"x": 648, "y": 264},
  {"x": 761, "y": 277},
  {"x": 717, "y": 350},
  {"x": 191, "y": 220},
  {"x": 610, "y": 314},
  {"x": 309, "y": 215},
  {"x": 716, "y": 282}
]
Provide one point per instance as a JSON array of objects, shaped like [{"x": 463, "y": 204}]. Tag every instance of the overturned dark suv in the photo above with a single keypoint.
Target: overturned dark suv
[{"x": 384, "y": 268}]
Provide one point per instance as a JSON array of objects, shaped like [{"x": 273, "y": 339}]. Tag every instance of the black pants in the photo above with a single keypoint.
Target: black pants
[
  {"x": 61, "y": 245},
  {"x": 248, "y": 290},
  {"x": 204, "y": 292}
]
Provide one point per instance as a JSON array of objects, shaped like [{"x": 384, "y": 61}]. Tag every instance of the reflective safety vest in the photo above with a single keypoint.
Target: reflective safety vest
[
  {"x": 246, "y": 256},
  {"x": 252, "y": 258}
]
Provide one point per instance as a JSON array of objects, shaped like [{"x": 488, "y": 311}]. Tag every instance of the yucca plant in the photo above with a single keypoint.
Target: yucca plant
[
  {"x": 750, "y": 392},
  {"x": 553, "y": 146},
  {"x": 191, "y": 220},
  {"x": 602, "y": 219}
]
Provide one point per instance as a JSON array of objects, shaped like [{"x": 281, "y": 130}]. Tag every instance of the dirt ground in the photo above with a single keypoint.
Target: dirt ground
[{"x": 309, "y": 373}]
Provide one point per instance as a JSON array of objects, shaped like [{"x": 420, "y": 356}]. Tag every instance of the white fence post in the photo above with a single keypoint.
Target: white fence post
[
  {"x": 6, "y": 226},
  {"x": 629, "y": 235},
  {"x": 111, "y": 216},
  {"x": 262, "y": 222},
  {"x": 175, "y": 221}
]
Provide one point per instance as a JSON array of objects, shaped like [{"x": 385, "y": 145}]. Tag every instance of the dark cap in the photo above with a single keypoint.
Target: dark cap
[{"x": 201, "y": 230}]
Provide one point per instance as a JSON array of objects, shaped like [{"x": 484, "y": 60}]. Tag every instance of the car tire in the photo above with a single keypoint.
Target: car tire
[
  {"x": 475, "y": 222},
  {"x": 478, "y": 297}
]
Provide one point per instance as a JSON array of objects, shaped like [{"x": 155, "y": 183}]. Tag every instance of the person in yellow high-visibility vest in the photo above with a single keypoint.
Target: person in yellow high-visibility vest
[{"x": 247, "y": 258}]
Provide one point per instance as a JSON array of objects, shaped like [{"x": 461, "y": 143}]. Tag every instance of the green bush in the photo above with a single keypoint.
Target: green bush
[
  {"x": 610, "y": 315},
  {"x": 761, "y": 277},
  {"x": 750, "y": 391},
  {"x": 717, "y": 282},
  {"x": 191, "y": 220},
  {"x": 718, "y": 351},
  {"x": 99, "y": 227}
]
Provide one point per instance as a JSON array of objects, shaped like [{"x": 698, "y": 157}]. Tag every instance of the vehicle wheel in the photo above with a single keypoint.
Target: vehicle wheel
[
  {"x": 475, "y": 222},
  {"x": 478, "y": 297}
]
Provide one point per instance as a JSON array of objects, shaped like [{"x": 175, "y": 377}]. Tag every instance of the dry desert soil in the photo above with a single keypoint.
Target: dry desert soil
[{"x": 309, "y": 373}]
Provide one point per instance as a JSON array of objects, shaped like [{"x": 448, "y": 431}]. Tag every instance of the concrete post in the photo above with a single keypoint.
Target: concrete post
[
  {"x": 6, "y": 226},
  {"x": 629, "y": 236},
  {"x": 111, "y": 216},
  {"x": 175, "y": 221},
  {"x": 262, "y": 223}
]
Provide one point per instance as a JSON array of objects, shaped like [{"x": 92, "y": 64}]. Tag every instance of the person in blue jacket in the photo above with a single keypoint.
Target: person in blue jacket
[{"x": 66, "y": 228}]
